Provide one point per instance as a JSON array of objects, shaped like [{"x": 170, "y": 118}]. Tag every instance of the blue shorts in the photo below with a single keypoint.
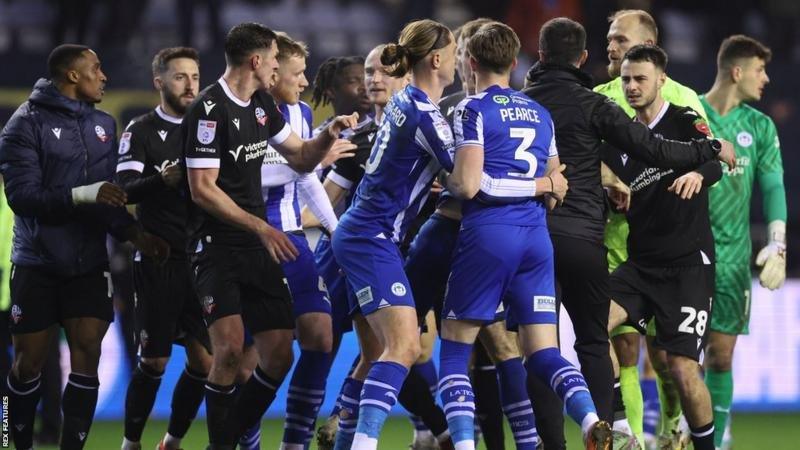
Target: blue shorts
[
  {"x": 502, "y": 266},
  {"x": 337, "y": 287},
  {"x": 373, "y": 268},
  {"x": 428, "y": 262},
  {"x": 305, "y": 284}
]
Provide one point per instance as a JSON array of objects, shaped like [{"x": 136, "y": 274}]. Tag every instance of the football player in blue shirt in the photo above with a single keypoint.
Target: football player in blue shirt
[
  {"x": 505, "y": 155},
  {"x": 414, "y": 142}
]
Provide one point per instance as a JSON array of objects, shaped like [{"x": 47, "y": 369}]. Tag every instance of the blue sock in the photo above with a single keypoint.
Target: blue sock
[
  {"x": 455, "y": 389},
  {"x": 306, "y": 393},
  {"x": 251, "y": 439},
  {"x": 348, "y": 413},
  {"x": 427, "y": 370},
  {"x": 652, "y": 408},
  {"x": 516, "y": 403},
  {"x": 565, "y": 380},
  {"x": 379, "y": 395},
  {"x": 336, "y": 406}
]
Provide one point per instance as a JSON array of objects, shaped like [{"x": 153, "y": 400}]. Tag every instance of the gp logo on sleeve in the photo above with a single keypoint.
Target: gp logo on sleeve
[
  {"x": 125, "y": 142},
  {"x": 206, "y": 130}
]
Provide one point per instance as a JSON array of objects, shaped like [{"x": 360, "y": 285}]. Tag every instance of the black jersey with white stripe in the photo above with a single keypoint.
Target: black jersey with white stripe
[
  {"x": 151, "y": 143},
  {"x": 226, "y": 133}
]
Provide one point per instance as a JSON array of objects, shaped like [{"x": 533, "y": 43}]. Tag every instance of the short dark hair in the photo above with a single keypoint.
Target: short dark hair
[
  {"x": 647, "y": 53},
  {"x": 740, "y": 46},
  {"x": 244, "y": 39},
  {"x": 61, "y": 59},
  {"x": 562, "y": 41},
  {"x": 165, "y": 55},
  {"x": 494, "y": 46}
]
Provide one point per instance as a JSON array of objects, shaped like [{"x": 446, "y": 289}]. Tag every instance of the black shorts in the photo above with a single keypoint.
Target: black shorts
[
  {"x": 40, "y": 299},
  {"x": 678, "y": 297},
  {"x": 242, "y": 281},
  {"x": 166, "y": 307}
]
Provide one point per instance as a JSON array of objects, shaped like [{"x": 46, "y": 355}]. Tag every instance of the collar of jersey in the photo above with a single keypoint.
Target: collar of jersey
[
  {"x": 230, "y": 95},
  {"x": 658, "y": 117},
  {"x": 166, "y": 117},
  {"x": 421, "y": 99}
]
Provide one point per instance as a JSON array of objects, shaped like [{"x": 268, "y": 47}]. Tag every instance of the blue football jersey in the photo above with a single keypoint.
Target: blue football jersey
[
  {"x": 413, "y": 143},
  {"x": 278, "y": 180},
  {"x": 517, "y": 137}
]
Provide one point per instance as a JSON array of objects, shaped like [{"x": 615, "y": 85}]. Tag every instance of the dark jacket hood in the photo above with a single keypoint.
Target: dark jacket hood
[
  {"x": 540, "y": 72},
  {"x": 46, "y": 94}
]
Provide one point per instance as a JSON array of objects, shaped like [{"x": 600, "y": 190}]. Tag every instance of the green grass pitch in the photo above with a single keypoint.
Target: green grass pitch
[{"x": 751, "y": 432}]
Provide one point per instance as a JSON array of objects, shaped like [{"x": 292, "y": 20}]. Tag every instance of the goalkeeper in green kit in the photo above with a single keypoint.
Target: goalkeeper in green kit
[
  {"x": 741, "y": 77},
  {"x": 629, "y": 28}
]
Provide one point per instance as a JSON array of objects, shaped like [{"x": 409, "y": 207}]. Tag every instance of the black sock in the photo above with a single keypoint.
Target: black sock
[
  {"x": 139, "y": 400},
  {"x": 22, "y": 401},
  {"x": 220, "y": 401},
  {"x": 619, "y": 405},
  {"x": 549, "y": 412},
  {"x": 78, "y": 404},
  {"x": 415, "y": 396},
  {"x": 254, "y": 399},
  {"x": 703, "y": 437},
  {"x": 488, "y": 407},
  {"x": 186, "y": 399}
]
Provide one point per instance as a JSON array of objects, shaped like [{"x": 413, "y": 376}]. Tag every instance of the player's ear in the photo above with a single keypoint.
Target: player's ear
[
  {"x": 255, "y": 61},
  {"x": 514, "y": 64},
  {"x": 736, "y": 73},
  {"x": 72, "y": 76},
  {"x": 583, "y": 58},
  {"x": 158, "y": 83},
  {"x": 436, "y": 59},
  {"x": 473, "y": 63}
]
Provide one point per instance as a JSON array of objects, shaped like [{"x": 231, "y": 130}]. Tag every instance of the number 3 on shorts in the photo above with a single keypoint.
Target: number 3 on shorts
[{"x": 686, "y": 325}]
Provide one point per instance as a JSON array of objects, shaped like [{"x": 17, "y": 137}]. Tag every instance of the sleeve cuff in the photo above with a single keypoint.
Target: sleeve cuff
[
  {"x": 136, "y": 166},
  {"x": 282, "y": 135},
  {"x": 343, "y": 182},
  {"x": 202, "y": 163}
]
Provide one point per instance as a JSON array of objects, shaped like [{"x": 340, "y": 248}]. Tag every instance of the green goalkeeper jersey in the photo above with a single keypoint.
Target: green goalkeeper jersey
[
  {"x": 758, "y": 156},
  {"x": 616, "y": 235}
]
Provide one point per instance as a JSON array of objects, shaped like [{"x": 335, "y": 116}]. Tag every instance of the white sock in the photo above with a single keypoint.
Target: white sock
[
  {"x": 623, "y": 426},
  {"x": 171, "y": 441},
  {"x": 285, "y": 446},
  {"x": 587, "y": 422},
  {"x": 130, "y": 445},
  {"x": 363, "y": 442},
  {"x": 465, "y": 445}
]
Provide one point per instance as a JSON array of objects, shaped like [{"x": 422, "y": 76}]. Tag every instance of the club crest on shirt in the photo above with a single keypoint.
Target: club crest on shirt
[
  {"x": 16, "y": 314},
  {"x": 125, "y": 142},
  {"x": 261, "y": 116},
  {"x": 206, "y": 130},
  {"x": 101, "y": 133},
  {"x": 744, "y": 139}
]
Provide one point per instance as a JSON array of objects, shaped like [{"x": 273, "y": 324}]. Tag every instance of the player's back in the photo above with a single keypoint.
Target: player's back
[
  {"x": 413, "y": 142},
  {"x": 517, "y": 137}
]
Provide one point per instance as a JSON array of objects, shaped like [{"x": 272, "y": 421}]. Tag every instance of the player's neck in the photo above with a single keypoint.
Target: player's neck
[
  {"x": 429, "y": 83},
  {"x": 241, "y": 83},
  {"x": 378, "y": 113},
  {"x": 648, "y": 114},
  {"x": 485, "y": 81},
  {"x": 724, "y": 98},
  {"x": 168, "y": 110}
]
